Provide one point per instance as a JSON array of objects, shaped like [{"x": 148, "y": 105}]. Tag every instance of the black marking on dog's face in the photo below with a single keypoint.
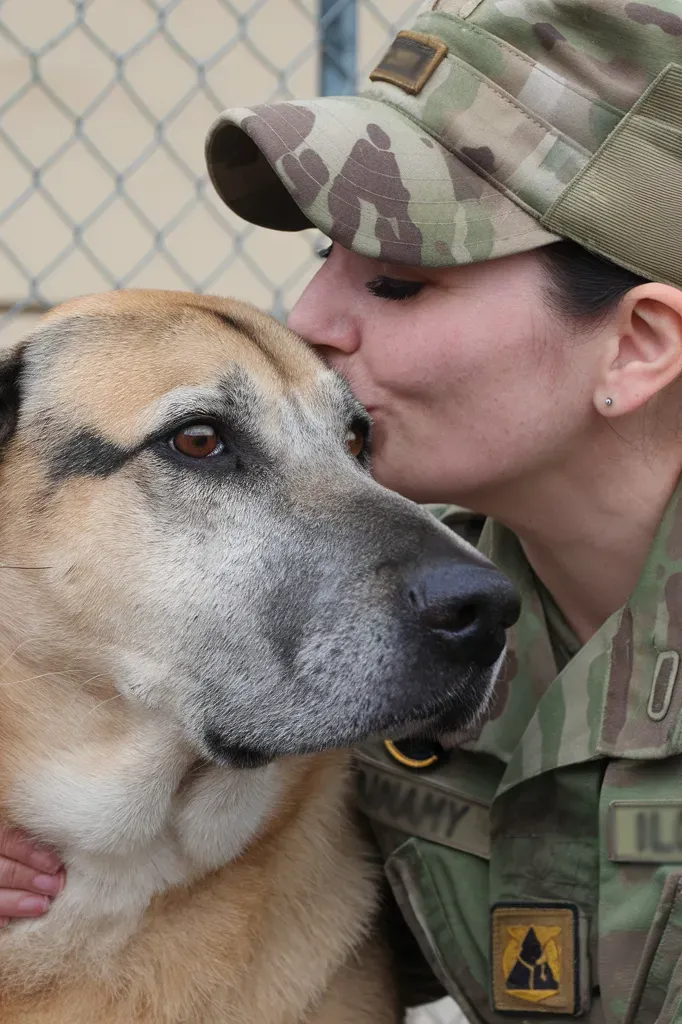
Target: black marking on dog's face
[
  {"x": 10, "y": 393},
  {"x": 86, "y": 453},
  {"x": 252, "y": 333},
  {"x": 235, "y": 324},
  {"x": 232, "y": 405}
]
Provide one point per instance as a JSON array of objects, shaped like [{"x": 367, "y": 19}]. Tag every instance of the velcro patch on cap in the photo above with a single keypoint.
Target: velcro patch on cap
[
  {"x": 537, "y": 960},
  {"x": 645, "y": 831},
  {"x": 625, "y": 203},
  {"x": 410, "y": 61}
]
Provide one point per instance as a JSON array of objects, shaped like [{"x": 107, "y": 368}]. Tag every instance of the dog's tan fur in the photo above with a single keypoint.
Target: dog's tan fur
[
  {"x": 132, "y": 680},
  {"x": 276, "y": 935}
]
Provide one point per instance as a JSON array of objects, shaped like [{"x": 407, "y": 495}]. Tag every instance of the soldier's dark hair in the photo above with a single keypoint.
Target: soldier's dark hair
[{"x": 581, "y": 285}]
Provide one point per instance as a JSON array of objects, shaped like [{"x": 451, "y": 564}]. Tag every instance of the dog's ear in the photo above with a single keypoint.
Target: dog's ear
[{"x": 11, "y": 364}]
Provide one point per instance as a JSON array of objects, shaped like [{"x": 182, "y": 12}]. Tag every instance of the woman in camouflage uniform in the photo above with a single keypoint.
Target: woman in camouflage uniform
[{"x": 503, "y": 292}]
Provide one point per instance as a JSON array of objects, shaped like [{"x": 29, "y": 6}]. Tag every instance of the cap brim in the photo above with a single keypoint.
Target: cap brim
[{"x": 368, "y": 177}]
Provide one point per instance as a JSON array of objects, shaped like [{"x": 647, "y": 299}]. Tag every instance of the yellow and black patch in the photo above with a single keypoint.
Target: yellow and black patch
[
  {"x": 410, "y": 61},
  {"x": 536, "y": 959}
]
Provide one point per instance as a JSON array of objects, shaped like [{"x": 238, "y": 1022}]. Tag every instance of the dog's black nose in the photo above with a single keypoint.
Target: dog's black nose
[{"x": 467, "y": 606}]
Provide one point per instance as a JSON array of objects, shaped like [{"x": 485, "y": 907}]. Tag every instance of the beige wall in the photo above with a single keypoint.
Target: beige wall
[
  {"x": 14, "y": 327},
  {"x": 119, "y": 123}
]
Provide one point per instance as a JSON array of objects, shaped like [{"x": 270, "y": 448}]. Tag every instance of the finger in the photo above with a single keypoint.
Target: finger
[
  {"x": 15, "y": 845},
  {"x": 14, "y": 875},
  {"x": 15, "y": 903}
]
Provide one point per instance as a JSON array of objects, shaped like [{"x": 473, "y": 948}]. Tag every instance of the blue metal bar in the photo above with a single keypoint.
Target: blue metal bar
[{"x": 338, "y": 44}]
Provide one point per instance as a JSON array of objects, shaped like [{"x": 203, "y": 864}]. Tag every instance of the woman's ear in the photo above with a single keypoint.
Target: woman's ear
[
  {"x": 645, "y": 350},
  {"x": 11, "y": 364}
]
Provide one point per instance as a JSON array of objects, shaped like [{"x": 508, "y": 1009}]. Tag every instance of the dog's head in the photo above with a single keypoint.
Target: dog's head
[{"x": 188, "y": 489}]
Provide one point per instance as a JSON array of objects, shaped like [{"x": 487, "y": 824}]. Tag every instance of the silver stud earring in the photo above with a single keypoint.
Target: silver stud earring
[{"x": 609, "y": 401}]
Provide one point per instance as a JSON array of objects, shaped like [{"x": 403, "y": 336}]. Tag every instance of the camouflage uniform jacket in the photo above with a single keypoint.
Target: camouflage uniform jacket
[{"x": 539, "y": 865}]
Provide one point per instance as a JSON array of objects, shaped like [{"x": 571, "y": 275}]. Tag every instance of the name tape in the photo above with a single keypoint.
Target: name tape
[
  {"x": 416, "y": 807},
  {"x": 648, "y": 831}
]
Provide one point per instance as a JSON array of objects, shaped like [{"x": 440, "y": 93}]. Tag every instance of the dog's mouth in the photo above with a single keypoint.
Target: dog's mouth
[
  {"x": 453, "y": 716},
  {"x": 235, "y": 755}
]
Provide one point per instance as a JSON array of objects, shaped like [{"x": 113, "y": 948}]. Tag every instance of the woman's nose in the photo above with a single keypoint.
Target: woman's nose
[{"x": 324, "y": 316}]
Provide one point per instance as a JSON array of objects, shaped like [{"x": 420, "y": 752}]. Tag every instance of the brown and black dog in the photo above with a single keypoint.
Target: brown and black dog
[{"x": 205, "y": 600}]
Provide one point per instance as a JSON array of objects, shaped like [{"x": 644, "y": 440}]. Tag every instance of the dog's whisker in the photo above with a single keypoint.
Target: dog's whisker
[
  {"x": 103, "y": 702},
  {"x": 13, "y": 654},
  {"x": 9, "y": 566},
  {"x": 56, "y": 672},
  {"x": 80, "y": 684}
]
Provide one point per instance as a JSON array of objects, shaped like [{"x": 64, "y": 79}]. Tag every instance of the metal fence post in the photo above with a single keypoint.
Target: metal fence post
[{"x": 338, "y": 45}]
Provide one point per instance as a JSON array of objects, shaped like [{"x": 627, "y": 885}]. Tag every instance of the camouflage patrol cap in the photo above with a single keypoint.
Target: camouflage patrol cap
[{"x": 490, "y": 127}]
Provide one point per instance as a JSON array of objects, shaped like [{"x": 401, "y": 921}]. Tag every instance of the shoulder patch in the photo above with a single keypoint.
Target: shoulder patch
[
  {"x": 645, "y": 831},
  {"x": 410, "y": 61},
  {"x": 539, "y": 959}
]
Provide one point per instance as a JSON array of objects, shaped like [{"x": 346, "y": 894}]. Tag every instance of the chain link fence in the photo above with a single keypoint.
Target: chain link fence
[{"x": 104, "y": 105}]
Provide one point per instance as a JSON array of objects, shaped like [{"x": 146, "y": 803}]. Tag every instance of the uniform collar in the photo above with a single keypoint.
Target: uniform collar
[{"x": 619, "y": 696}]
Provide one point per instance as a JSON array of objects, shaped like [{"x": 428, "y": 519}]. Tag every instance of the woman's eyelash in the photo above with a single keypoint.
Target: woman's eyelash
[
  {"x": 385, "y": 287},
  {"x": 393, "y": 288}
]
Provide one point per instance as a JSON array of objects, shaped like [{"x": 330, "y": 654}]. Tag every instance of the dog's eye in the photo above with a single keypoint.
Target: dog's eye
[
  {"x": 355, "y": 441},
  {"x": 198, "y": 441}
]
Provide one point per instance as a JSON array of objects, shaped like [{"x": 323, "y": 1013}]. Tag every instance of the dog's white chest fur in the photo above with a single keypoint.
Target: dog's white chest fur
[{"x": 134, "y": 821}]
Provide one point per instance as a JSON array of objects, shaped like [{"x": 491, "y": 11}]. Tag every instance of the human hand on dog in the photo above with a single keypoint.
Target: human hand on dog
[{"x": 30, "y": 876}]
